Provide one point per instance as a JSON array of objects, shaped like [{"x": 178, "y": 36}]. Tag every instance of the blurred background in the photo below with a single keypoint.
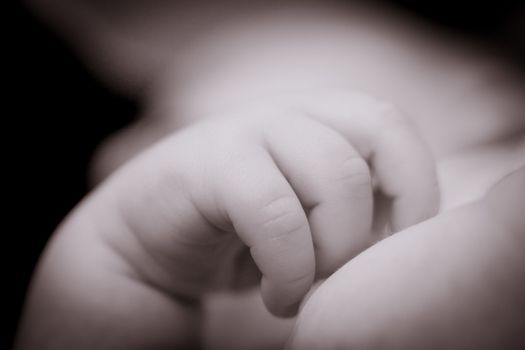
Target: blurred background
[{"x": 57, "y": 112}]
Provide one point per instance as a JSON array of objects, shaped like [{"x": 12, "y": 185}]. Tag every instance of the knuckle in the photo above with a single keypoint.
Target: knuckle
[
  {"x": 384, "y": 113},
  {"x": 389, "y": 112},
  {"x": 391, "y": 116},
  {"x": 391, "y": 121},
  {"x": 354, "y": 170},
  {"x": 354, "y": 174},
  {"x": 283, "y": 216}
]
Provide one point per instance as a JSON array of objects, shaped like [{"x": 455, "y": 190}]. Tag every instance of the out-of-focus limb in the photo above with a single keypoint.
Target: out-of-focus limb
[
  {"x": 123, "y": 43},
  {"x": 453, "y": 282}
]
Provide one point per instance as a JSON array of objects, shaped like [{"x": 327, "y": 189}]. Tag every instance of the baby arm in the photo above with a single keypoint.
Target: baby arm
[
  {"x": 453, "y": 282},
  {"x": 286, "y": 193}
]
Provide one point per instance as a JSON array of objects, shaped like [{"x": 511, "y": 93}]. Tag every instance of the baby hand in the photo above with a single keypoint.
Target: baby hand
[
  {"x": 291, "y": 184},
  {"x": 286, "y": 192}
]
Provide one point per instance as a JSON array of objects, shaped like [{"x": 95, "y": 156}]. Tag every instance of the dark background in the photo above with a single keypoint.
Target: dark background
[{"x": 55, "y": 113}]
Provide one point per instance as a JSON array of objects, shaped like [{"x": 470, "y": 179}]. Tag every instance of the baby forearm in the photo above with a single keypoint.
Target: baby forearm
[{"x": 84, "y": 297}]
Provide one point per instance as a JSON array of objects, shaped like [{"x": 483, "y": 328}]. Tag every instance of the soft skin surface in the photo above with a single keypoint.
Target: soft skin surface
[
  {"x": 285, "y": 192},
  {"x": 199, "y": 57},
  {"x": 453, "y": 282}
]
